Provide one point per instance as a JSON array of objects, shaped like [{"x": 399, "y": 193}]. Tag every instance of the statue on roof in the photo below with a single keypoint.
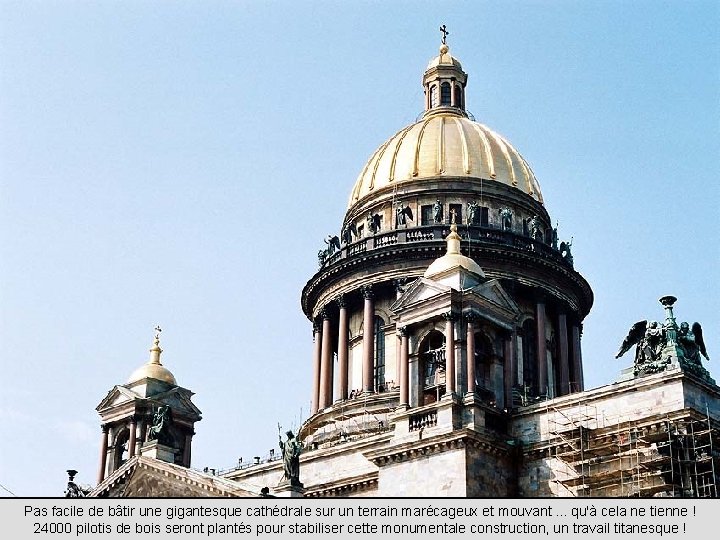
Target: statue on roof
[
  {"x": 373, "y": 222},
  {"x": 333, "y": 244},
  {"x": 290, "y": 449},
  {"x": 437, "y": 212},
  {"x": 565, "y": 251},
  {"x": 661, "y": 346},
  {"x": 74, "y": 490},
  {"x": 692, "y": 343},
  {"x": 402, "y": 213},
  {"x": 349, "y": 233},
  {"x": 535, "y": 228},
  {"x": 160, "y": 429},
  {"x": 506, "y": 218}
]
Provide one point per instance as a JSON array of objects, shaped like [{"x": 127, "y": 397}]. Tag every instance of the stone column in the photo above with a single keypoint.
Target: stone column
[
  {"x": 509, "y": 354},
  {"x": 368, "y": 339},
  {"x": 186, "y": 450},
  {"x": 103, "y": 453},
  {"x": 317, "y": 336},
  {"x": 564, "y": 358},
  {"x": 343, "y": 331},
  {"x": 470, "y": 338},
  {"x": 449, "y": 353},
  {"x": 133, "y": 435},
  {"x": 541, "y": 348},
  {"x": 326, "y": 362},
  {"x": 404, "y": 366},
  {"x": 577, "y": 358}
]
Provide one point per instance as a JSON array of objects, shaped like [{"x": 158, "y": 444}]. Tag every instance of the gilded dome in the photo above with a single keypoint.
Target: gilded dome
[
  {"x": 153, "y": 369},
  {"x": 445, "y": 143}
]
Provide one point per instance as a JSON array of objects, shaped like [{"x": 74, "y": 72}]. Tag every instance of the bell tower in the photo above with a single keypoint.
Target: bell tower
[
  {"x": 150, "y": 415},
  {"x": 444, "y": 82}
]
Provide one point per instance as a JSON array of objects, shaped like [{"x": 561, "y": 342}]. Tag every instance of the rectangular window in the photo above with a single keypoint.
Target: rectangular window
[
  {"x": 484, "y": 216},
  {"x": 426, "y": 214}
]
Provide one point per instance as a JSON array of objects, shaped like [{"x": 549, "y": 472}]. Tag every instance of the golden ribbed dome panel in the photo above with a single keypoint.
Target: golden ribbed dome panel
[{"x": 445, "y": 144}]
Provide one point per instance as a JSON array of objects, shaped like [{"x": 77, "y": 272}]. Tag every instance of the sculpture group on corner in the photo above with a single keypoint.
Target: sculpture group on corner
[{"x": 658, "y": 346}]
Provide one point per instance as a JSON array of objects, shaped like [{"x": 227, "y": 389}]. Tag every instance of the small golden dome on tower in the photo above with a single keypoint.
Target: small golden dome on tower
[
  {"x": 453, "y": 258},
  {"x": 153, "y": 369}
]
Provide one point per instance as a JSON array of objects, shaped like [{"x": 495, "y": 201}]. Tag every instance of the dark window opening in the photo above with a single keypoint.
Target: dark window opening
[
  {"x": 426, "y": 215},
  {"x": 484, "y": 216},
  {"x": 445, "y": 94},
  {"x": 458, "y": 96}
]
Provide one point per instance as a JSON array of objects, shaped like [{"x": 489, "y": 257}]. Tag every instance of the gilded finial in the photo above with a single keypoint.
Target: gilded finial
[{"x": 156, "y": 350}]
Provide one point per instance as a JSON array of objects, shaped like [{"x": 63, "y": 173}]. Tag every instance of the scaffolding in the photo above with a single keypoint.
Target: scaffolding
[{"x": 672, "y": 455}]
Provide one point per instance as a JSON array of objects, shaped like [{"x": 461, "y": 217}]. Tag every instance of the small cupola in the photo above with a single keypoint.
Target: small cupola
[{"x": 444, "y": 81}]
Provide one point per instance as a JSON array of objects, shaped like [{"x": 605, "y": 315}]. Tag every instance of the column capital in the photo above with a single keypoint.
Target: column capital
[
  {"x": 105, "y": 428},
  {"x": 402, "y": 331},
  {"x": 316, "y": 327},
  {"x": 450, "y": 316},
  {"x": 472, "y": 317},
  {"x": 367, "y": 292},
  {"x": 324, "y": 313},
  {"x": 341, "y": 301}
]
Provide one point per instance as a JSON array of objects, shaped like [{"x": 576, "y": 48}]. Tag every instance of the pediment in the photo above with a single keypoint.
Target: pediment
[
  {"x": 421, "y": 289},
  {"x": 148, "y": 477},
  {"x": 492, "y": 291},
  {"x": 179, "y": 401},
  {"x": 117, "y": 396}
]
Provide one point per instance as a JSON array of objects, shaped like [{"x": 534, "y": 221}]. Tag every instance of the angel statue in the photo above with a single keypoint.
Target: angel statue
[
  {"x": 333, "y": 244},
  {"x": 473, "y": 211},
  {"x": 349, "y": 232},
  {"x": 402, "y": 214},
  {"x": 649, "y": 339},
  {"x": 691, "y": 342},
  {"x": 373, "y": 222}
]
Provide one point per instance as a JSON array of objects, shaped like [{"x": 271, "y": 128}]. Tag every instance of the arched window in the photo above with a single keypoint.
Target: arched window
[
  {"x": 433, "y": 96},
  {"x": 445, "y": 93},
  {"x": 483, "y": 359},
  {"x": 379, "y": 355},
  {"x": 432, "y": 366},
  {"x": 120, "y": 454},
  {"x": 458, "y": 96}
]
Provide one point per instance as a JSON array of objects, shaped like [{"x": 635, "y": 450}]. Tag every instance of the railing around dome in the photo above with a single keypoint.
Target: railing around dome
[{"x": 477, "y": 235}]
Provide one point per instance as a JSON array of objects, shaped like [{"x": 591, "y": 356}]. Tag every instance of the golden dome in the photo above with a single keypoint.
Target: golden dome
[
  {"x": 153, "y": 369},
  {"x": 453, "y": 258},
  {"x": 444, "y": 143}
]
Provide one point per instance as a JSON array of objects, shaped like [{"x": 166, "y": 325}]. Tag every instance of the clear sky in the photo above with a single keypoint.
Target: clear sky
[{"x": 179, "y": 163}]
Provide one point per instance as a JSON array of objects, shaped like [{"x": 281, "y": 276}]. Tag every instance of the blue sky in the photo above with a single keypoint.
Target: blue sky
[{"x": 179, "y": 163}]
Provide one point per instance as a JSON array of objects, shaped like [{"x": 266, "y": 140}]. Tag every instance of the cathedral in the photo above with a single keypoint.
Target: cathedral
[{"x": 447, "y": 320}]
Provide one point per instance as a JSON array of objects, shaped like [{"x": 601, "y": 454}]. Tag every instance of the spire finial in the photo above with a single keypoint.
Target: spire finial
[
  {"x": 156, "y": 350},
  {"x": 445, "y": 34}
]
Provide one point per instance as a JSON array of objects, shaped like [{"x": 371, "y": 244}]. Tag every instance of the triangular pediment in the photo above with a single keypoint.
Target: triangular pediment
[
  {"x": 117, "y": 396},
  {"x": 179, "y": 401},
  {"x": 420, "y": 290},
  {"x": 492, "y": 291},
  {"x": 142, "y": 476}
]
